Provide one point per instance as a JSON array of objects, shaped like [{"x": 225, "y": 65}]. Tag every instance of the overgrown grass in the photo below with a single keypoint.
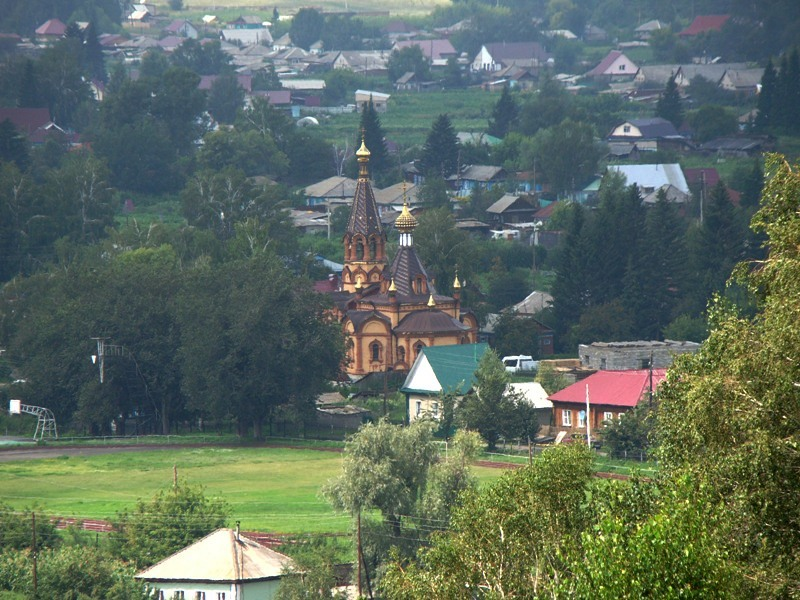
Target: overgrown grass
[{"x": 269, "y": 489}]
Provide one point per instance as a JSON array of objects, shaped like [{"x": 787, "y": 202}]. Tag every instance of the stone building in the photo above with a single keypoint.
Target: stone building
[{"x": 624, "y": 356}]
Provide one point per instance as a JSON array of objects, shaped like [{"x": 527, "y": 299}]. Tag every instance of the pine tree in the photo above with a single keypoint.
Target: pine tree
[
  {"x": 93, "y": 54},
  {"x": 767, "y": 99},
  {"x": 504, "y": 114},
  {"x": 440, "y": 153},
  {"x": 669, "y": 106},
  {"x": 374, "y": 139}
]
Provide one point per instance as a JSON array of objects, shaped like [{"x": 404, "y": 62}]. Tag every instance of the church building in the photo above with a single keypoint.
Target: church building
[{"x": 389, "y": 312}]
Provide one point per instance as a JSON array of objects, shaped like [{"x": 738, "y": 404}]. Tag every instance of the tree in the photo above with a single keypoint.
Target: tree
[
  {"x": 203, "y": 59},
  {"x": 516, "y": 334},
  {"x": 565, "y": 154},
  {"x": 171, "y": 520},
  {"x": 251, "y": 315},
  {"x": 408, "y": 59},
  {"x": 504, "y": 114},
  {"x": 767, "y": 98},
  {"x": 13, "y": 145},
  {"x": 225, "y": 98},
  {"x": 489, "y": 408},
  {"x": 307, "y": 26},
  {"x": 372, "y": 135},
  {"x": 443, "y": 248},
  {"x": 669, "y": 105},
  {"x": 93, "y": 54},
  {"x": 506, "y": 540},
  {"x": 385, "y": 467},
  {"x": 709, "y": 122},
  {"x": 717, "y": 410},
  {"x": 440, "y": 153},
  {"x": 251, "y": 151}
]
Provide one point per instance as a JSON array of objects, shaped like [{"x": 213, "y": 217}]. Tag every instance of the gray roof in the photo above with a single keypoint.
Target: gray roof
[
  {"x": 507, "y": 201},
  {"x": 480, "y": 172},
  {"x": 652, "y": 177},
  {"x": 221, "y": 556},
  {"x": 332, "y": 187}
]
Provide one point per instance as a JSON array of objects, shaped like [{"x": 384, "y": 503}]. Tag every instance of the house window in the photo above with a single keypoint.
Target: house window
[
  {"x": 419, "y": 407},
  {"x": 179, "y": 595},
  {"x": 160, "y": 595},
  {"x": 581, "y": 419},
  {"x": 436, "y": 409},
  {"x": 602, "y": 364},
  {"x": 375, "y": 351},
  {"x": 199, "y": 596},
  {"x": 608, "y": 416},
  {"x": 626, "y": 128},
  {"x": 566, "y": 418},
  {"x": 622, "y": 67},
  {"x": 545, "y": 341},
  {"x": 645, "y": 363},
  {"x": 220, "y": 595}
]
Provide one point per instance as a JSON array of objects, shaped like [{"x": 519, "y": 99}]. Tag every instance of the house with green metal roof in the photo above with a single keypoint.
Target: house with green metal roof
[{"x": 437, "y": 370}]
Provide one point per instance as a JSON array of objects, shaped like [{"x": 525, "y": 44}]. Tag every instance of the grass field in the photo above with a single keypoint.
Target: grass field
[
  {"x": 268, "y": 489},
  {"x": 410, "y": 116}
]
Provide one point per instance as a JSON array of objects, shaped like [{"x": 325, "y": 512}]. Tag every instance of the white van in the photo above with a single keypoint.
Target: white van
[{"x": 515, "y": 364}]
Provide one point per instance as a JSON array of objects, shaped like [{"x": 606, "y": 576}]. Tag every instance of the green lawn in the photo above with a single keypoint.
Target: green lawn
[{"x": 268, "y": 489}]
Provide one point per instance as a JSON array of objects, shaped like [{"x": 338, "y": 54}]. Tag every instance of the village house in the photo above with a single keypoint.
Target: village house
[
  {"x": 650, "y": 135},
  {"x": 438, "y": 370},
  {"x": 224, "y": 565},
  {"x": 499, "y": 55},
  {"x": 472, "y": 177},
  {"x": 435, "y": 51},
  {"x": 615, "y": 65},
  {"x": 607, "y": 395}
]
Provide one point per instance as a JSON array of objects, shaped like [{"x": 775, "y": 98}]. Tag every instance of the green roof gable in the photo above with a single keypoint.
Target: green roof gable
[{"x": 454, "y": 366}]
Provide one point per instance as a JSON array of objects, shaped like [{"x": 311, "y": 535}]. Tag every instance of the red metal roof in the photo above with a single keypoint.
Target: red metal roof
[
  {"x": 703, "y": 23},
  {"x": 611, "y": 388},
  {"x": 52, "y": 27}
]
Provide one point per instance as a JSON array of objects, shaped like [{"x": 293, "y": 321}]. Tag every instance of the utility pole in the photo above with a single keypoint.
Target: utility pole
[{"x": 33, "y": 552}]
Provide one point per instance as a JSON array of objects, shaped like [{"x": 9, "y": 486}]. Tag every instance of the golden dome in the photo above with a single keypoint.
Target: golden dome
[
  {"x": 392, "y": 286},
  {"x": 406, "y": 221},
  {"x": 363, "y": 151},
  {"x": 456, "y": 283},
  {"x": 431, "y": 302}
]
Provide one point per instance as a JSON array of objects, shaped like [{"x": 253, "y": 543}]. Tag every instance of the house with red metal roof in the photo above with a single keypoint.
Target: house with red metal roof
[
  {"x": 704, "y": 24},
  {"x": 610, "y": 395},
  {"x": 51, "y": 29}
]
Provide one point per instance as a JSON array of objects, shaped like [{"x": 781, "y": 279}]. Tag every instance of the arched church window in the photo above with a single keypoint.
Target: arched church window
[
  {"x": 359, "y": 250},
  {"x": 418, "y": 348},
  {"x": 375, "y": 351},
  {"x": 373, "y": 249},
  {"x": 401, "y": 354}
]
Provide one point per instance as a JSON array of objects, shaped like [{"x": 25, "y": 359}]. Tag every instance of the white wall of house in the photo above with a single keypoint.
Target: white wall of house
[{"x": 255, "y": 590}]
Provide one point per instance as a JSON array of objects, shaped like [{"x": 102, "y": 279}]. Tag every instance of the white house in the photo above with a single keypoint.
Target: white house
[
  {"x": 649, "y": 178},
  {"x": 438, "y": 370},
  {"x": 614, "y": 65},
  {"x": 224, "y": 565},
  {"x": 497, "y": 56},
  {"x": 379, "y": 100}
]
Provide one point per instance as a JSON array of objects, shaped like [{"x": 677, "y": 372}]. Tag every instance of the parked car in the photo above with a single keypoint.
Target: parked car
[{"x": 515, "y": 364}]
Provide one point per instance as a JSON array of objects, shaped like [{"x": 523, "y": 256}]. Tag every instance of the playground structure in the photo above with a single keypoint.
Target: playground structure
[{"x": 46, "y": 423}]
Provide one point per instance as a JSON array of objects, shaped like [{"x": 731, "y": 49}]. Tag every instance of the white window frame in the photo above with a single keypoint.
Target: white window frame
[
  {"x": 419, "y": 407},
  {"x": 608, "y": 416},
  {"x": 566, "y": 417}
]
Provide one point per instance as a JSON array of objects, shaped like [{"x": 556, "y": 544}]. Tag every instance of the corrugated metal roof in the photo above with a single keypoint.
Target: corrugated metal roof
[
  {"x": 453, "y": 368},
  {"x": 652, "y": 177},
  {"x": 221, "y": 556},
  {"x": 611, "y": 388}
]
